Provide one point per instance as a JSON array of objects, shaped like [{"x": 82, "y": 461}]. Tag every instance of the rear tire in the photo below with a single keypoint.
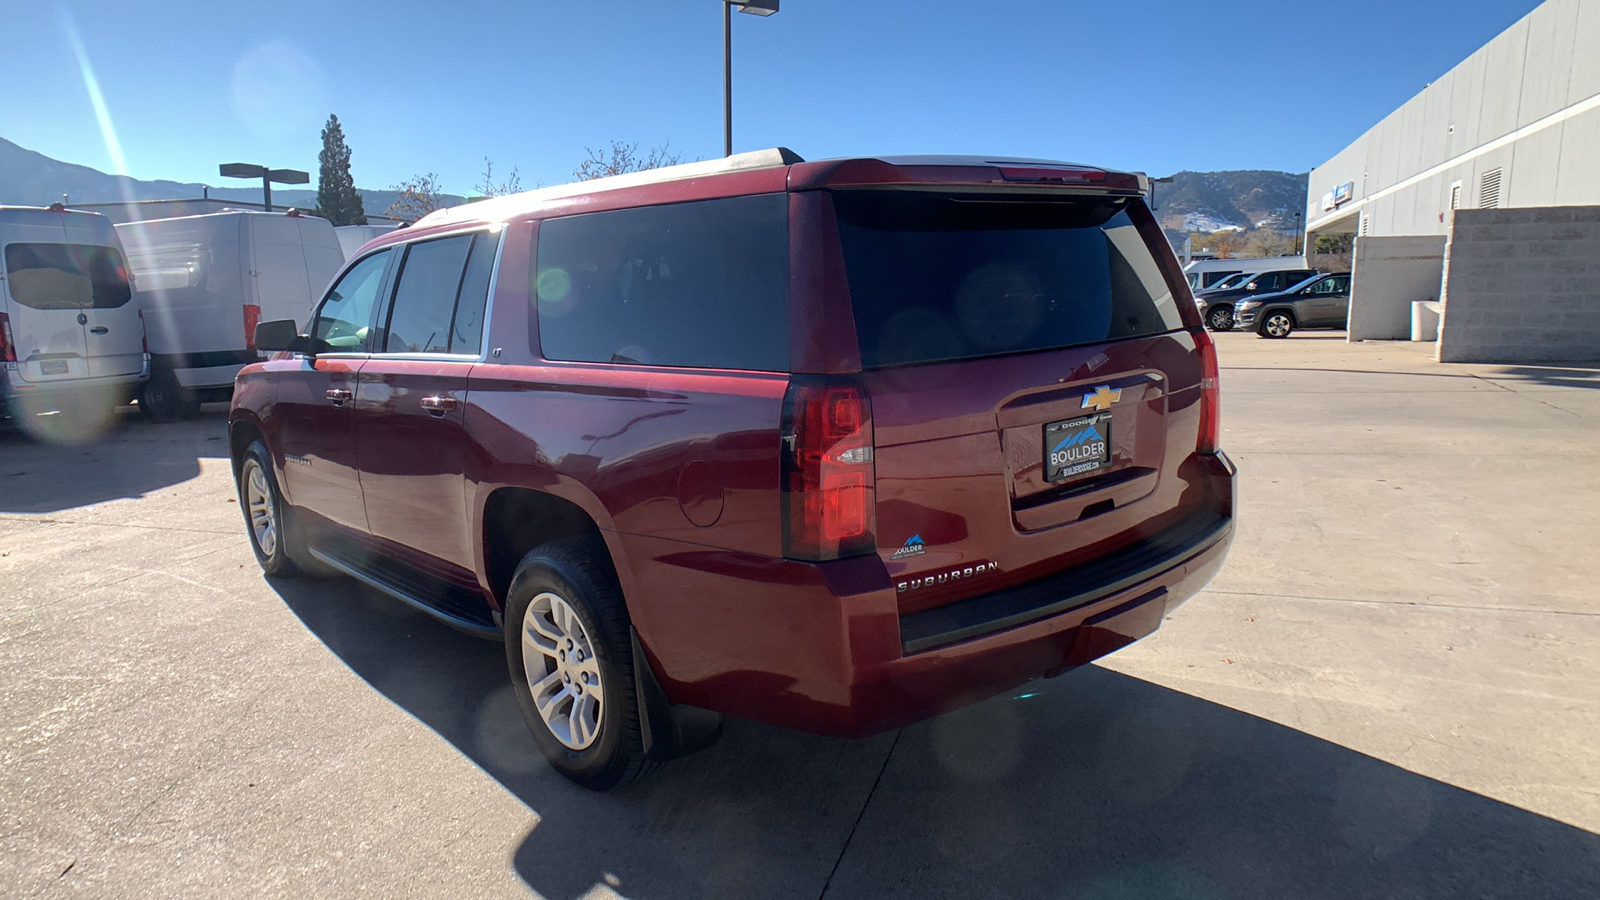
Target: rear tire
[
  {"x": 163, "y": 399},
  {"x": 1220, "y": 318},
  {"x": 1276, "y": 325},
  {"x": 570, "y": 653}
]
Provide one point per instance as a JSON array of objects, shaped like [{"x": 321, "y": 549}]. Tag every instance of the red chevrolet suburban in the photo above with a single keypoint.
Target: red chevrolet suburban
[{"x": 834, "y": 445}]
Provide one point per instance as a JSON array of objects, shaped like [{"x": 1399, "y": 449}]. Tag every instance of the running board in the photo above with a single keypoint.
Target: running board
[{"x": 452, "y": 605}]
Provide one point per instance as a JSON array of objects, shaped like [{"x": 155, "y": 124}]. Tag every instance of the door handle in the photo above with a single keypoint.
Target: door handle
[
  {"x": 438, "y": 406},
  {"x": 339, "y": 396},
  {"x": 99, "y": 329}
]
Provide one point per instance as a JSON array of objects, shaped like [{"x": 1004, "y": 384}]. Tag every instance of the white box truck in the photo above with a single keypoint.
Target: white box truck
[
  {"x": 206, "y": 281},
  {"x": 71, "y": 343}
]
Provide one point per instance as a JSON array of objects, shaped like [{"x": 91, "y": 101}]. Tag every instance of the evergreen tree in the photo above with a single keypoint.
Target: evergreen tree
[{"x": 338, "y": 201}]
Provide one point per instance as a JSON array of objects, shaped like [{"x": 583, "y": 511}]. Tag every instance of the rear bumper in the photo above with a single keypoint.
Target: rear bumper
[
  {"x": 119, "y": 389},
  {"x": 855, "y": 667}
]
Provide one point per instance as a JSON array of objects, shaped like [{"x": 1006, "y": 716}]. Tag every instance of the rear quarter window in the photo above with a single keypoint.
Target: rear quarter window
[
  {"x": 701, "y": 284},
  {"x": 937, "y": 277},
  {"x": 67, "y": 276}
]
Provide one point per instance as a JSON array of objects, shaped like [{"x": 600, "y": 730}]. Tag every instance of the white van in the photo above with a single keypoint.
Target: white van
[
  {"x": 205, "y": 281},
  {"x": 354, "y": 237},
  {"x": 1203, "y": 274},
  {"x": 72, "y": 344}
]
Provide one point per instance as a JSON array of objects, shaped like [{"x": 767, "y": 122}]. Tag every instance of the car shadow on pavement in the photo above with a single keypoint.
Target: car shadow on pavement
[
  {"x": 1094, "y": 785},
  {"x": 131, "y": 459}
]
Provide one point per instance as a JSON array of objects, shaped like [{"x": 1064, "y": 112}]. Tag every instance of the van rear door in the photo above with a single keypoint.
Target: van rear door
[
  {"x": 70, "y": 312},
  {"x": 1032, "y": 382}
]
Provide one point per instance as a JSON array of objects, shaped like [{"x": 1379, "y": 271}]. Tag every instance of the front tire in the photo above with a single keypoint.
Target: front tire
[
  {"x": 269, "y": 521},
  {"x": 1276, "y": 325},
  {"x": 1220, "y": 318},
  {"x": 570, "y": 654}
]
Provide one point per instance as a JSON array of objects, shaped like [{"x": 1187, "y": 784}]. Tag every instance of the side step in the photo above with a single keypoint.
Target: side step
[{"x": 455, "y": 606}]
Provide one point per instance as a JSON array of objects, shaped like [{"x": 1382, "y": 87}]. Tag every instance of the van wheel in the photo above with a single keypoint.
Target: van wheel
[
  {"x": 269, "y": 521},
  {"x": 162, "y": 399},
  {"x": 1276, "y": 325},
  {"x": 1219, "y": 318},
  {"x": 569, "y": 648}
]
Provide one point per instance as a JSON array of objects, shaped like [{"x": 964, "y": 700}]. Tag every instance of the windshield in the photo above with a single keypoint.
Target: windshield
[{"x": 937, "y": 277}]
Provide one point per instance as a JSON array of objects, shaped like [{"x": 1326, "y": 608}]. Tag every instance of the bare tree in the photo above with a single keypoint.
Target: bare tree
[
  {"x": 488, "y": 187},
  {"x": 622, "y": 158},
  {"x": 419, "y": 196}
]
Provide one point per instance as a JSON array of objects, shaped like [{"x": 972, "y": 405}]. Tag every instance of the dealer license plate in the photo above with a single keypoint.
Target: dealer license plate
[
  {"x": 53, "y": 367},
  {"x": 1077, "y": 446}
]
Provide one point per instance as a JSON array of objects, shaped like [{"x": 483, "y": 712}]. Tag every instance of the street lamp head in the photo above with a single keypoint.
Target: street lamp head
[
  {"x": 241, "y": 170},
  {"x": 288, "y": 176},
  {"x": 755, "y": 7}
]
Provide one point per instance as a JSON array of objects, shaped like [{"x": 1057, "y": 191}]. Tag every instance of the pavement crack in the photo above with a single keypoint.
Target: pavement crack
[
  {"x": 859, "y": 815},
  {"x": 1420, "y": 604}
]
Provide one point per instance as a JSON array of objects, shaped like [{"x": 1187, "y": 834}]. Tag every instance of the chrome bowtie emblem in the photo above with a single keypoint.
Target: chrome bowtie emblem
[{"x": 1102, "y": 398}]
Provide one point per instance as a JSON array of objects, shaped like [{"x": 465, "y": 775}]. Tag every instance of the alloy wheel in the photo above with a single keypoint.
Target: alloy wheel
[
  {"x": 562, "y": 671},
  {"x": 1221, "y": 319},
  {"x": 263, "y": 514},
  {"x": 1278, "y": 325}
]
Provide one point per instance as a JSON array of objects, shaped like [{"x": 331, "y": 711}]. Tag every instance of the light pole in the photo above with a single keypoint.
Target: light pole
[
  {"x": 761, "y": 8},
  {"x": 267, "y": 176},
  {"x": 1153, "y": 183}
]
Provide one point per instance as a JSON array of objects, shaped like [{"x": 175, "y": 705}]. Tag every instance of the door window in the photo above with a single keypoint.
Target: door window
[
  {"x": 1338, "y": 284},
  {"x": 440, "y": 296},
  {"x": 345, "y": 316},
  {"x": 67, "y": 276}
]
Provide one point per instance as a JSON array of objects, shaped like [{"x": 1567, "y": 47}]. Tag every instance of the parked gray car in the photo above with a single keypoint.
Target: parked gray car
[{"x": 1320, "y": 302}]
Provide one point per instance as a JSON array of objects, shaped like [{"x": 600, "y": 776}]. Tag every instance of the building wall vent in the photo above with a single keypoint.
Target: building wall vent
[
  {"x": 1455, "y": 195},
  {"x": 1489, "y": 189},
  {"x": 1366, "y": 223}
]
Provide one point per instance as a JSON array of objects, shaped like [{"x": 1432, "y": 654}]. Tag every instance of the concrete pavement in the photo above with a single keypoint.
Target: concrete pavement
[{"x": 1391, "y": 691}]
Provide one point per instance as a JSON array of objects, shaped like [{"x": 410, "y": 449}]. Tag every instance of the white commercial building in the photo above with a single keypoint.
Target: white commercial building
[{"x": 1514, "y": 128}]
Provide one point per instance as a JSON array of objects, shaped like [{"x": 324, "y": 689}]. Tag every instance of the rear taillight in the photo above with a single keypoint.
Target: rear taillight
[
  {"x": 1210, "y": 395},
  {"x": 252, "y": 318},
  {"x": 8, "y": 347},
  {"x": 144, "y": 334},
  {"x": 829, "y": 485}
]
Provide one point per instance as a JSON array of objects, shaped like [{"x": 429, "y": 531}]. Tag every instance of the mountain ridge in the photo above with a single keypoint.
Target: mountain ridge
[{"x": 30, "y": 178}]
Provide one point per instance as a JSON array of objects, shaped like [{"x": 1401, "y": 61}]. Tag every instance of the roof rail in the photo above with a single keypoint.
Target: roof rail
[{"x": 499, "y": 207}]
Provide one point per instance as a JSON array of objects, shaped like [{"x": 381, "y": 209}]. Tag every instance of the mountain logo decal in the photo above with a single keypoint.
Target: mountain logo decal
[{"x": 912, "y": 547}]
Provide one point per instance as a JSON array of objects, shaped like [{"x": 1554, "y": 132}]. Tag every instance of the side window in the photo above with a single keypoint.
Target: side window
[
  {"x": 425, "y": 296},
  {"x": 1339, "y": 284},
  {"x": 346, "y": 313},
  {"x": 466, "y": 333},
  {"x": 440, "y": 295},
  {"x": 702, "y": 284}
]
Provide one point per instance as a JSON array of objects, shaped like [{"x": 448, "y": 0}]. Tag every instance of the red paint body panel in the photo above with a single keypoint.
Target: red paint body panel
[{"x": 682, "y": 471}]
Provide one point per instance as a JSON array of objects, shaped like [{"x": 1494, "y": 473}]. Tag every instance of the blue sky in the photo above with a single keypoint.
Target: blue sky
[{"x": 427, "y": 86}]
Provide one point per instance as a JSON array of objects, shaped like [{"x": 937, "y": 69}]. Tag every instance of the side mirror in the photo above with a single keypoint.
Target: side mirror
[{"x": 282, "y": 334}]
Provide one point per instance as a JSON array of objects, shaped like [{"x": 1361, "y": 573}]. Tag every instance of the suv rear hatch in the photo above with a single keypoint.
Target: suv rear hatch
[{"x": 1024, "y": 353}]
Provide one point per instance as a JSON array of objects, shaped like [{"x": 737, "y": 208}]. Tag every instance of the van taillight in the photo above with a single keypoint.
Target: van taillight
[
  {"x": 252, "y": 318},
  {"x": 8, "y": 347},
  {"x": 144, "y": 334},
  {"x": 830, "y": 492},
  {"x": 1210, "y": 394}
]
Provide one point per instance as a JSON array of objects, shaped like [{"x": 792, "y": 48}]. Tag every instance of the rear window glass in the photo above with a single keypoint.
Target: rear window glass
[
  {"x": 701, "y": 284},
  {"x": 937, "y": 277},
  {"x": 67, "y": 276}
]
